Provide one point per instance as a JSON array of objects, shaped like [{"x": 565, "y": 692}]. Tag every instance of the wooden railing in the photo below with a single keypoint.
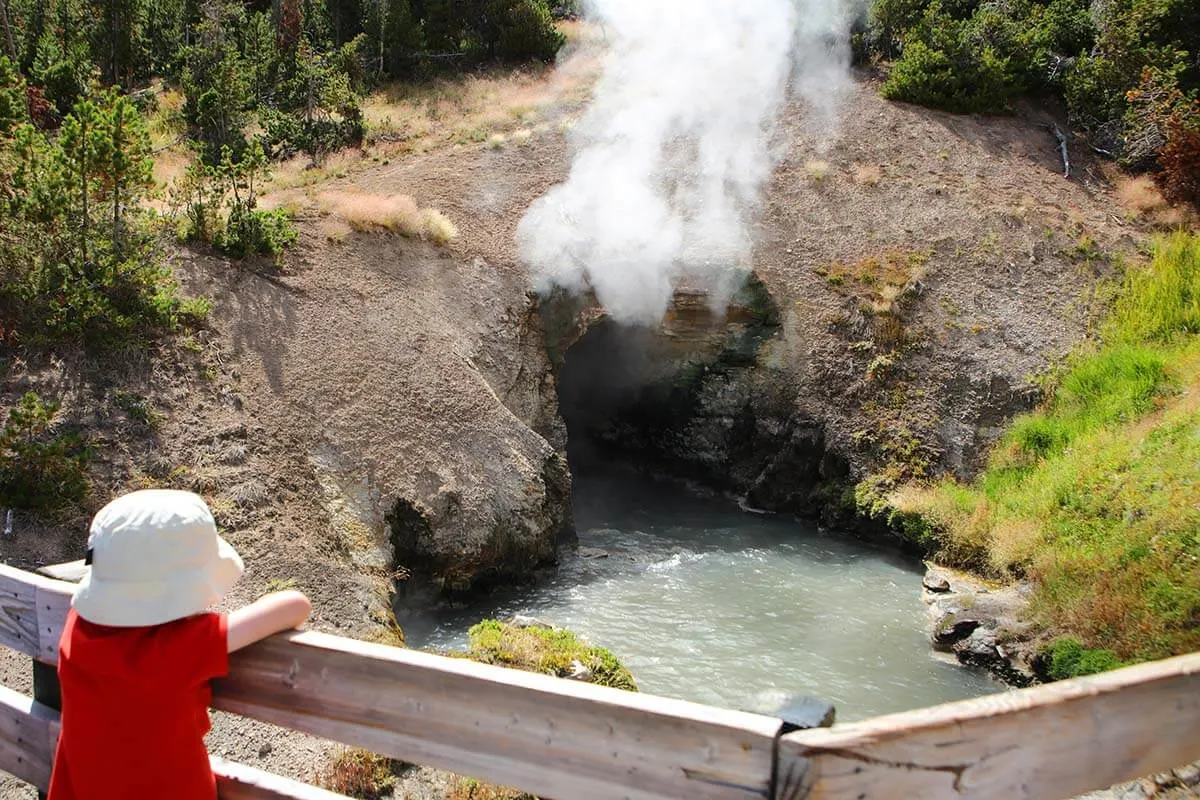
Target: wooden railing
[{"x": 574, "y": 741}]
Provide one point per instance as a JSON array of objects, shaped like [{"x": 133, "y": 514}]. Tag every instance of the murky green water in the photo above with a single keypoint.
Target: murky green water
[{"x": 708, "y": 603}]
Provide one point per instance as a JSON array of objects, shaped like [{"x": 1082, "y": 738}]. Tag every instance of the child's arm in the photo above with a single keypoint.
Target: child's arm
[{"x": 272, "y": 613}]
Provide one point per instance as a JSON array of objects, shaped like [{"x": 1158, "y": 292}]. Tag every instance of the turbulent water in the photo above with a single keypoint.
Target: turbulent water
[{"x": 707, "y": 603}]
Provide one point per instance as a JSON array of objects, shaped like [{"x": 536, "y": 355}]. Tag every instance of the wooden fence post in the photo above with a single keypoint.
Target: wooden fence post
[{"x": 47, "y": 691}]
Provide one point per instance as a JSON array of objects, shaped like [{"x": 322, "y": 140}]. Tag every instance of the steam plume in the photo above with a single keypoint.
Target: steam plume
[{"x": 672, "y": 154}]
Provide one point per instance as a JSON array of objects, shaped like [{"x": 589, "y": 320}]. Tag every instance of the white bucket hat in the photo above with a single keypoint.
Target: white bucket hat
[{"x": 155, "y": 557}]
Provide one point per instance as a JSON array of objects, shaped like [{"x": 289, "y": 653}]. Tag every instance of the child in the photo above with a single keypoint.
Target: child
[{"x": 139, "y": 649}]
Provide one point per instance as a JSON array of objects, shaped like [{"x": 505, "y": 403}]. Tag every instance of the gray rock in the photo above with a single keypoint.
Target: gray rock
[
  {"x": 935, "y": 583},
  {"x": 950, "y": 630},
  {"x": 1189, "y": 774},
  {"x": 522, "y": 621},
  {"x": 591, "y": 552},
  {"x": 804, "y": 711},
  {"x": 979, "y": 646}
]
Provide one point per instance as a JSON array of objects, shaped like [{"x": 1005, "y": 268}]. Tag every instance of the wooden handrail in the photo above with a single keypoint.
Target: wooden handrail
[{"x": 566, "y": 739}]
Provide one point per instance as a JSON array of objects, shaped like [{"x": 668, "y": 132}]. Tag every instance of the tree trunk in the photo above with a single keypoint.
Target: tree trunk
[
  {"x": 83, "y": 194},
  {"x": 118, "y": 143},
  {"x": 8, "y": 40}
]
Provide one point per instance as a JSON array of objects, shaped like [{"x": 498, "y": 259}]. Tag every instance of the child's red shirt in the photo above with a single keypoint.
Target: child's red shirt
[{"x": 135, "y": 709}]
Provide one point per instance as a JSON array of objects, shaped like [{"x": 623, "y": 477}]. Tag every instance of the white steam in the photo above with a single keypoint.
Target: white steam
[{"x": 677, "y": 144}]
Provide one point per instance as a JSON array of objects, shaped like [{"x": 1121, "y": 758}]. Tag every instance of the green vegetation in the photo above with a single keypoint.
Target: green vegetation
[
  {"x": 218, "y": 206},
  {"x": 547, "y": 650},
  {"x": 1096, "y": 496},
  {"x": 79, "y": 261},
  {"x": 1067, "y": 658},
  {"x": 41, "y": 467},
  {"x": 1127, "y": 70}
]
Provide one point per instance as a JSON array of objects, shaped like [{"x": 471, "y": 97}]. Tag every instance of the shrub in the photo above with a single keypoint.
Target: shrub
[
  {"x": 205, "y": 191},
  {"x": 962, "y": 65},
  {"x": 1179, "y": 160},
  {"x": 40, "y": 468},
  {"x": 250, "y": 231},
  {"x": 1068, "y": 658},
  {"x": 526, "y": 31},
  {"x": 359, "y": 773},
  {"x": 547, "y": 650}
]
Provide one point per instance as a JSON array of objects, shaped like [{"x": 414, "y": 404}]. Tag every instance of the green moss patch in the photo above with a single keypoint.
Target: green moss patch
[{"x": 551, "y": 651}]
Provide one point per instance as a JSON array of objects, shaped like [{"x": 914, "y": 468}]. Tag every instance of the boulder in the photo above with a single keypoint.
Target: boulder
[
  {"x": 803, "y": 711},
  {"x": 952, "y": 629},
  {"x": 523, "y": 621},
  {"x": 935, "y": 582},
  {"x": 1189, "y": 774},
  {"x": 979, "y": 648}
]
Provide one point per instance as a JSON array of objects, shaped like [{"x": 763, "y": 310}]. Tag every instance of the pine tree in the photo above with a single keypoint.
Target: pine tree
[
  {"x": 116, "y": 38},
  {"x": 62, "y": 62},
  {"x": 402, "y": 37},
  {"x": 12, "y": 97},
  {"x": 216, "y": 81},
  {"x": 9, "y": 44}
]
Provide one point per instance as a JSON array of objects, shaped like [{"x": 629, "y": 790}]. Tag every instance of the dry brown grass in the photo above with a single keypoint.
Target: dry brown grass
[
  {"x": 399, "y": 213},
  {"x": 1139, "y": 194},
  {"x": 419, "y": 117},
  {"x": 358, "y": 773},
  {"x": 471, "y": 789},
  {"x": 964, "y": 533},
  {"x": 868, "y": 174},
  {"x": 300, "y": 171},
  {"x": 816, "y": 170}
]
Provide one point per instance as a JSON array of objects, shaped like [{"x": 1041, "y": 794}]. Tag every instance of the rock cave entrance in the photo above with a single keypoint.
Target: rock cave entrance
[
  {"x": 608, "y": 387},
  {"x": 701, "y": 397}
]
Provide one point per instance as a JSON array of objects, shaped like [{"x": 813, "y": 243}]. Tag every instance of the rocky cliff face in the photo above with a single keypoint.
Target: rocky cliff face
[
  {"x": 708, "y": 396},
  {"x": 418, "y": 388}
]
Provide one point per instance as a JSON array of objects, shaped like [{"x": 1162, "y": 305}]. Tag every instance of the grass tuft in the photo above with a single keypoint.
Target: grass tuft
[
  {"x": 471, "y": 789},
  {"x": 359, "y": 773},
  {"x": 398, "y": 212},
  {"x": 816, "y": 170}
]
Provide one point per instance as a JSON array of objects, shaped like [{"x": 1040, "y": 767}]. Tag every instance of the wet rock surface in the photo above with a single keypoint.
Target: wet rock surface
[{"x": 979, "y": 623}]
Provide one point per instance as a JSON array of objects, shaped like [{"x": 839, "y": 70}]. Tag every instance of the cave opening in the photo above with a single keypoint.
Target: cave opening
[{"x": 611, "y": 394}]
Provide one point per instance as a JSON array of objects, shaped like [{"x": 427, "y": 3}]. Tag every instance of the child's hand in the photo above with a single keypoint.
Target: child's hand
[{"x": 269, "y": 614}]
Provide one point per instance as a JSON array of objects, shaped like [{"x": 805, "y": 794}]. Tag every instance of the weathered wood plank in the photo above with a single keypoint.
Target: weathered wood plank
[
  {"x": 240, "y": 782},
  {"x": 71, "y": 571},
  {"x": 534, "y": 732},
  {"x": 29, "y": 734},
  {"x": 1050, "y": 742},
  {"x": 26, "y": 738},
  {"x": 33, "y": 610},
  {"x": 18, "y": 609}
]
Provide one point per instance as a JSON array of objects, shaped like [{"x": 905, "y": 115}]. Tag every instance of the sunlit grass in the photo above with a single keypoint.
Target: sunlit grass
[{"x": 1096, "y": 496}]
